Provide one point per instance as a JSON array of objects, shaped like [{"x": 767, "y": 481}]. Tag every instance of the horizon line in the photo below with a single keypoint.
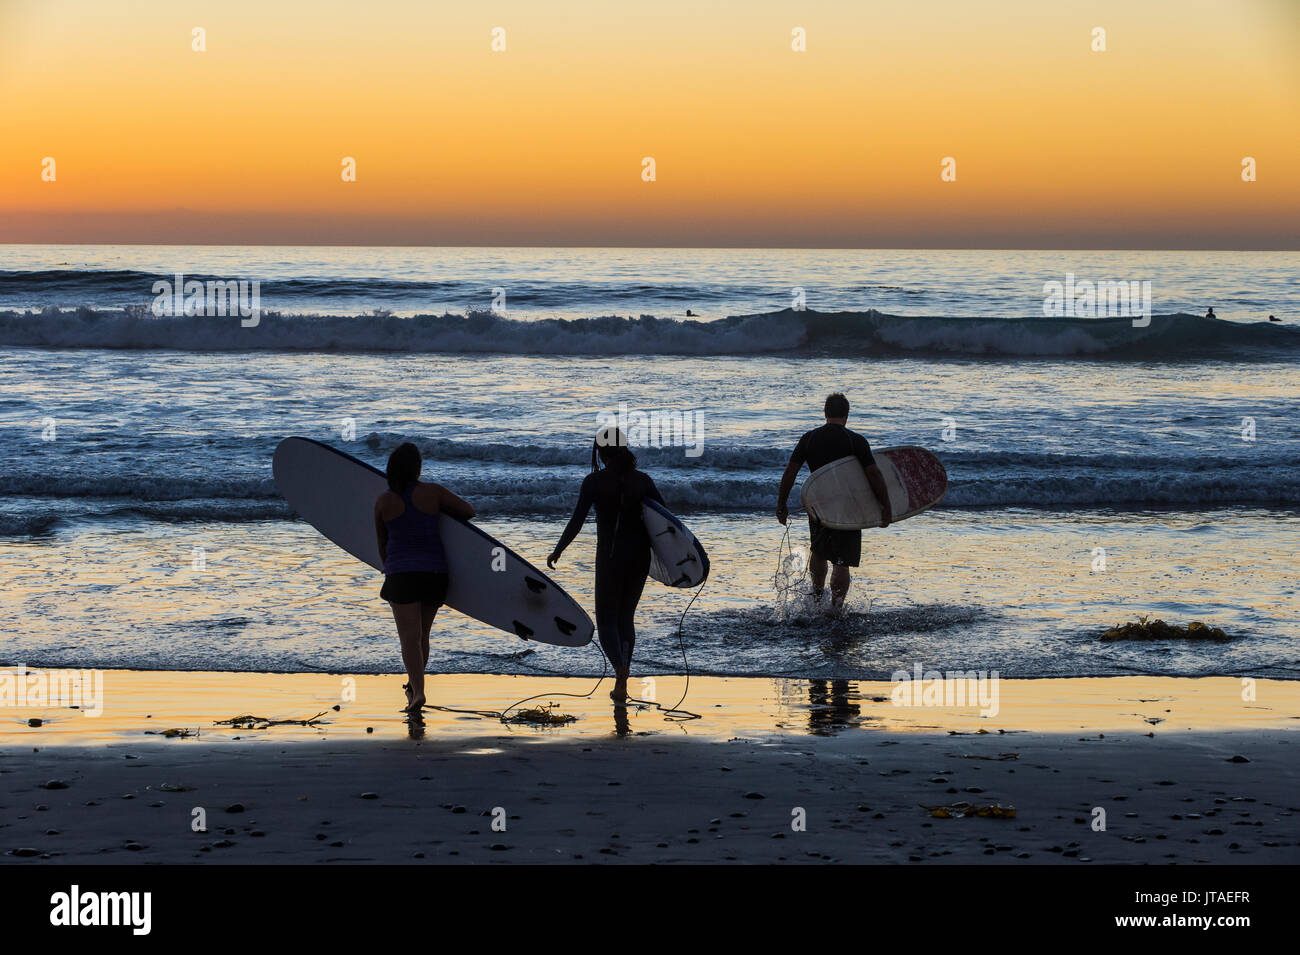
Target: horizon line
[{"x": 654, "y": 248}]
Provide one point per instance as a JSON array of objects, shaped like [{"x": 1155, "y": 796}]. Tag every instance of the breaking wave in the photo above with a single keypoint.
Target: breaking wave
[{"x": 864, "y": 334}]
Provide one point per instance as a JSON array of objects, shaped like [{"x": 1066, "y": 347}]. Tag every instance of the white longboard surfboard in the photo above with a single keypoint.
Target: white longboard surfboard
[
  {"x": 839, "y": 496},
  {"x": 335, "y": 493},
  {"x": 676, "y": 557}
]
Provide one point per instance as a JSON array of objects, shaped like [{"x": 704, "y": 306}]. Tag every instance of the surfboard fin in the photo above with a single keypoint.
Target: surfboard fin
[
  {"x": 522, "y": 630},
  {"x": 535, "y": 585},
  {"x": 565, "y": 627}
]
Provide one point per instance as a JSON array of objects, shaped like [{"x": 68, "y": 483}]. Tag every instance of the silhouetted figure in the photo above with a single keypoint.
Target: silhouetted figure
[
  {"x": 415, "y": 564},
  {"x": 622, "y": 546},
  {"x": 1210, "y": 313},
  {"x": 690, "y": 314},
  {"x": 1273, "y": 318},
  {"x": 840, "y": 548}
]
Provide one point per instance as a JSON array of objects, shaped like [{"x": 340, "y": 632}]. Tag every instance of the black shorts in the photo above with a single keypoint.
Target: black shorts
[
  {"x": 841, "y": 548},
  {"x": 415, "y": 588}
]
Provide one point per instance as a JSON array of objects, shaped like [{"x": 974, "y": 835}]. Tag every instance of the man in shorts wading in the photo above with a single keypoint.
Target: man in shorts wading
[{"x": 817, "y": 448}]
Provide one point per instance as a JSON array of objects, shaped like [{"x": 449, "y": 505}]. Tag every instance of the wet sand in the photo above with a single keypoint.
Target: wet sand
[{"x": 1184, "y": 771}]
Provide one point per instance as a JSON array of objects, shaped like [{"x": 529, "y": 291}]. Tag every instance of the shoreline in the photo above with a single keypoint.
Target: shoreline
[
  {"x": 139, "y": 705},
  {"x": 773, "y": 772}
]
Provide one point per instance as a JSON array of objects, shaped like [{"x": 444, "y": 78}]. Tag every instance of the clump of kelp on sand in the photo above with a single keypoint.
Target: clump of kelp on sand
[{"x": 1145, "y": 628}]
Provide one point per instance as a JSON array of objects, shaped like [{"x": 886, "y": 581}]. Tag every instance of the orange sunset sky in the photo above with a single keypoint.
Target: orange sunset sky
[{"x": 755, "y": 144}]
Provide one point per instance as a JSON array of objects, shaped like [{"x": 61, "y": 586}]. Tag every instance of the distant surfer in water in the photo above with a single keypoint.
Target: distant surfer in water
[
  {"x": 622, "y": 546},
  {"x": 415, "y": 564},
  {"x": 818, "y": 448},
  {"x": 1210, "y": 312}
]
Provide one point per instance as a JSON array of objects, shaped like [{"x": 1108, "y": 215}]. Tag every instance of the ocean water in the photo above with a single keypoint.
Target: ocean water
[{"x": 140, "y": 526}]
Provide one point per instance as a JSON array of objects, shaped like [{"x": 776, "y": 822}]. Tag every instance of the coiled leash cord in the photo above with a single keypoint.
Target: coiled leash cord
[
  {"x": 780, "y": 563},
  {"x": 672, "y": 713},
  {"x": 803, "y": 577}
]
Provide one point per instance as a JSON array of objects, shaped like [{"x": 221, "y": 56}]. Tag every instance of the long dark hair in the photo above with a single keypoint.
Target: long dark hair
[
  {"x": 610, "y": 448},
  {"x": 403, "y": 467}
]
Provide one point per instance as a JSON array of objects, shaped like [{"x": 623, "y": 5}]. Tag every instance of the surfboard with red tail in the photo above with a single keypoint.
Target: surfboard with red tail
[{"x": 839, "y": 496}]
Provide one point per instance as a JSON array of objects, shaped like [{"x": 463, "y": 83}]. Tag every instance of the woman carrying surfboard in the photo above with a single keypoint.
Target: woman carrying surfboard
[
  {"x": 415, "y": 564},
  {"x": 622, "y": 545}
]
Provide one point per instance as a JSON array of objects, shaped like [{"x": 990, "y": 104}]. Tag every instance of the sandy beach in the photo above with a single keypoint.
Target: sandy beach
[
  {"x": 1179, "y": 770},
  {"x": 920, "y": 476}
]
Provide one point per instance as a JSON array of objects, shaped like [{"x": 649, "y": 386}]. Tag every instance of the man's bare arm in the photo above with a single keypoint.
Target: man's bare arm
[
  {"x": 787, "y": 485},
  {"x": 877, "y": 482}
]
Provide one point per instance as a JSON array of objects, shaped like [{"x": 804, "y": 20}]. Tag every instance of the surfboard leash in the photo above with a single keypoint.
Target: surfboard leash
[
  {"x": 785, "y": 547},
  {"x": 674, "y": 713},
  {"x": 604, "y": 671},
  {"x": 493, "y": 714}
]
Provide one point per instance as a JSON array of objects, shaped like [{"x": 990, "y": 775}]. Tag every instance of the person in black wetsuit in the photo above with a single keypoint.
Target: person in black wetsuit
[
  {"x": 818, "y": 448},
  {"x": 622, "y": 546}
]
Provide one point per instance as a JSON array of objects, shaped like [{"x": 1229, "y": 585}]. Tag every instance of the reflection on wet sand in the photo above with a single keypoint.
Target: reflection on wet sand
[
  {"x": 183, "y": 708},
  {"x": 832, "y": 706}
]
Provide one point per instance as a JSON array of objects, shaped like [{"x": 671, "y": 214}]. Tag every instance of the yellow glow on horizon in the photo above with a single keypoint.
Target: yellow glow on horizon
[{"x": 754, "y": 144}]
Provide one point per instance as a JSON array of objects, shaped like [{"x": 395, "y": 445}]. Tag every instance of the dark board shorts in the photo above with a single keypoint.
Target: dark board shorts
[
  {"x": 415, "y": 588},
  {"x": 841, "y": 548}
]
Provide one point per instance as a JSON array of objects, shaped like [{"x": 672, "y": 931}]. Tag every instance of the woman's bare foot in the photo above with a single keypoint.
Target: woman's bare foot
[
  {"x": 619, "y": 693},
  {"x": 416, "y": 705}
]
